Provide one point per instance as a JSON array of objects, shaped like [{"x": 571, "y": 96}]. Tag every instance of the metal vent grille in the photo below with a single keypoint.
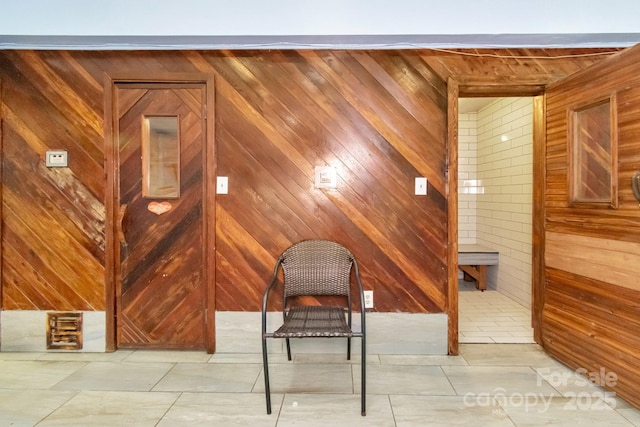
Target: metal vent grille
[{"x": 64, "y": 330}]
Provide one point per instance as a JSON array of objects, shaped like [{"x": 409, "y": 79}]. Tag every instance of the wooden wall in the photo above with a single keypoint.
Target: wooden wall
[
  {"x": 53, "y": 237},
  {"x": 379, "y": 117},
  {"x": 591, "y": 313}
]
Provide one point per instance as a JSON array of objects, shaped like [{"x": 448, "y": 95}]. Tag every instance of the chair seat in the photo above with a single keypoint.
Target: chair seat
[{"x": 314, "y": 321}]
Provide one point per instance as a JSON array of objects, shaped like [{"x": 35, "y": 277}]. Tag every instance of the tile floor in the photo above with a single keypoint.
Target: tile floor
[
  {"x": 491, "y": 317},
  {"x": 486, "y": 385}
]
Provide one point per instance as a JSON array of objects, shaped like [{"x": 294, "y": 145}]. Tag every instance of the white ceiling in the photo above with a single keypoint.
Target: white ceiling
[
  {"x": 260, "y": 24},
  {"x": 472, "y": 105}
]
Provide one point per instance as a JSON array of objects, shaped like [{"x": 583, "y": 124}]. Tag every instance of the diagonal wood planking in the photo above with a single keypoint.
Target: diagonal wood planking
[
  {"x": 161, "y": 296},
  {"x": 53, "y": 233},
  {"x": 317, "y": 118},
  {"x": 379, "y": 117}
]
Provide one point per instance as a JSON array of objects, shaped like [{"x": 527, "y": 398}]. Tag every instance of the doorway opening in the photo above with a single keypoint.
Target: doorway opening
[{"x": 495, "y": 205}]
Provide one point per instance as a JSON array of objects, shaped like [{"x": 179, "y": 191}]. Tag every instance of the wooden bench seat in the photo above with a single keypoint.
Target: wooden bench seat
[{"x": 473, "y": 261}]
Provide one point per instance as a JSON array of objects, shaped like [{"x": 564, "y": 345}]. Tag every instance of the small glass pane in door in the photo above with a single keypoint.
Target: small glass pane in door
[{"x": 160, "y": 157}]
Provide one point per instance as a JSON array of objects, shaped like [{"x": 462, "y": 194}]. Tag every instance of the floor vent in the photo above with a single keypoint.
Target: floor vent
[{"x": 64, "y": 330}]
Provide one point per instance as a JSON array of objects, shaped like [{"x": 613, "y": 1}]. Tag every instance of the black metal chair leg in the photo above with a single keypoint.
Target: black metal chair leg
[
  {"x": 348, "y": 348},
  {"x": 267, "y": 389},
  {"x": 288, "y": 349},
  {"x": 363, "y": 381}
]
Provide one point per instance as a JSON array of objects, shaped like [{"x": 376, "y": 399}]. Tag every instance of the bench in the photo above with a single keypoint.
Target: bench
[{"x": 473, "y": 261}]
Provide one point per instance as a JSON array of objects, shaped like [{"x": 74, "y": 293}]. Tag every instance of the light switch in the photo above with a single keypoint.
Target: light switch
[
  {"x": 222, "y": 185},
  {"x": 421, "y": 186}
]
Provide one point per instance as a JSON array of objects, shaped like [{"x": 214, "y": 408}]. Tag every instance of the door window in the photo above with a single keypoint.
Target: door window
[{"x": 160, "y": 157}]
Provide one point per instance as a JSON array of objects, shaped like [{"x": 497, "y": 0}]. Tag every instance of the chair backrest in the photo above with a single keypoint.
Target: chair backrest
[{"x": 316, "y": 267}]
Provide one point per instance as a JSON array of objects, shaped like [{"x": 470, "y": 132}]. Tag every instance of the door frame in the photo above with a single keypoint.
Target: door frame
[
  {"x": 112, "y": 191},
  {"x": 1, "y": 205},
  {"x": 469, "y": 88}
]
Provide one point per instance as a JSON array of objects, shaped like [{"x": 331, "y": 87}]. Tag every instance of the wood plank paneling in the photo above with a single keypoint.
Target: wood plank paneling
[
  {"x": 610, "y": 261},
  {"x": 329, "y": 110},
  {"x": 583, "y": 327},
  {"x": 379, "y": 117},
  {"x": 510, "y": 72},
  {"x": 162, "y": 285},
  {"x": 591, "y": 305},
  {"x": 53, "y": 234}
]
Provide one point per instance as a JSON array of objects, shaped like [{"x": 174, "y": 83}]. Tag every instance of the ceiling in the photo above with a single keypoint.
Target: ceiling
[
  {"x": 316, "y": 24},
  {"x": 420, "y": 41},
  {"x": 472, "y": 105}
]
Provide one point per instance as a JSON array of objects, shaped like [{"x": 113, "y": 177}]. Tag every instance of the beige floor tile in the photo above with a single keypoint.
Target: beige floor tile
[
  {"x": 340, "y": 359},
  {"x": 423, "y": 360},
  {"x": 487, "y": 384},
  {"x": 630, "y": 414},
  {"x": 524, "y": 339},
  {"x": 486, "y": 316},
  {"x": 303, "y": 378},
  {"x": 222, "y": 409},
  {"x": 31, "y": 374},
  {"x": 482, "y": 381},
  {"x": 492, "y": 334},
  {"x": 522, "y": 333},
  {"x": 334, "y": 410},
  {"x": 506, "y": 355},
  {"x": 115, "y": 376},
  {"x": 250, "y": 358},
  {"x": 475, "y": 340},
  {"x": 196, "y": 377},
  {"x": 510, "y": 328},
  {"x": 535, "y": 410},
  {"x": 406, "y": 379},
  {"x": 28, "y": 407},
  {"x": 20, "y": 355},
  {"x": 167, "y": 356},
  {"x": 116, "y": 356},
  {"x": 569, "y": 382},
  {"x": 479, "y": 323},
  {"x": 444, "y": 411},
  {"x": 112, "y": 408}
]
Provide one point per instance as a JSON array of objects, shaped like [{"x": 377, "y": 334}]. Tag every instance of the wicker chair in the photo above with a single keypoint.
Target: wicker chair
[{"x": 315, "y": 268}]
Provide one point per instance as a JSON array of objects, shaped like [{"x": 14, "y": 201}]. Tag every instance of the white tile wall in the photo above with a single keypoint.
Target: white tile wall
[
  {"x": 503, "y": 213},
  {"x": 467, "y": 176}
]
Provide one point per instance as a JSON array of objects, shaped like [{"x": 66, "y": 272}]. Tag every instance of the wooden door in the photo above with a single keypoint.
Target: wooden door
[
  {"x": 161, "y": 283},
  {"x": 590, "y": 313}
]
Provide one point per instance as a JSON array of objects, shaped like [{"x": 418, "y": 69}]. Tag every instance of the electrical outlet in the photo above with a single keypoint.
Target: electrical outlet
[{"x": 368, "y": 299}]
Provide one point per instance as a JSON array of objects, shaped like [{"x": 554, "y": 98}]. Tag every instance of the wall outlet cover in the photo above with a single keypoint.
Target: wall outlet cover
[{"x": 368, "y": 299}]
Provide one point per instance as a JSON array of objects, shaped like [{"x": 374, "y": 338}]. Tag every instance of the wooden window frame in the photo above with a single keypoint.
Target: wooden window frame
[
  {"x": 573, "y": 155},
  {"x": 147, "y": 187}
]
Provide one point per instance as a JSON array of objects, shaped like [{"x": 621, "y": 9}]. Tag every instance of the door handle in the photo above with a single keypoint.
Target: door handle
[
  {"x": 121, "y": 224},
  {"x": 635, "y": 186}
]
